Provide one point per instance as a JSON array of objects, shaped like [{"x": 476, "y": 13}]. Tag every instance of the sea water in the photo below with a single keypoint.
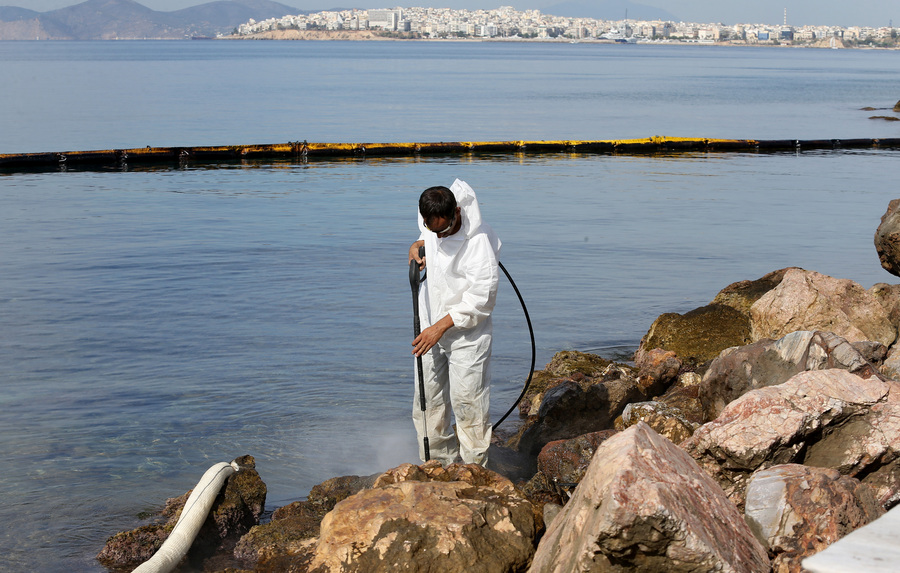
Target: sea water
[{"x": 158, "y": 320}]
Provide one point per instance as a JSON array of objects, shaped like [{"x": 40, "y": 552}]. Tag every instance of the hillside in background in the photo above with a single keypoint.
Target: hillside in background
[{"x": 127, "y": 19}]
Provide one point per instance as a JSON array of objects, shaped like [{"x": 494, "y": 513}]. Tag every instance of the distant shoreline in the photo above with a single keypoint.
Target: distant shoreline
[{"x": 370, "y": 35}]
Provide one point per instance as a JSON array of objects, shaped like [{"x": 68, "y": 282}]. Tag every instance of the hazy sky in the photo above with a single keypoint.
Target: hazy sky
[{"x": 826, "y": 12}]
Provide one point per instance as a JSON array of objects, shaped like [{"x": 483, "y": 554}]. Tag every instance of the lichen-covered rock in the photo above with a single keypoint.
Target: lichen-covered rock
[
  {"x": 797, "y": 510},
  {"x": 425, "y": 520},
  {"x": 767, "y": 362},
  {"x": 824, "y": 418},
  {"x": 644, "y": 505},
  {"x": 807, "y": 300},
  {"x": 887, "y": 238},
  {"x": 700, "y": 335},
  {"x": 236, "y": 509}
]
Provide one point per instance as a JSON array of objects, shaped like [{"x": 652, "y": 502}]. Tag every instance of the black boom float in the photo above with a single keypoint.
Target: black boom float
[{"x": 305, "y": 151}]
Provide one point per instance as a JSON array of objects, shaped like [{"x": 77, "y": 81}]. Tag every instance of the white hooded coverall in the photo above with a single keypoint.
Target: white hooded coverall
[{"x": 462, "y": 275}]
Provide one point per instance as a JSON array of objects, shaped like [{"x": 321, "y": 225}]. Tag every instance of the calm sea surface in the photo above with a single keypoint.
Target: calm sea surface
[{"x": 156, "y": 321}]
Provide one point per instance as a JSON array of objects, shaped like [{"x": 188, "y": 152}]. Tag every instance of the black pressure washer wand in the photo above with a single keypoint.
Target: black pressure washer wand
[{"x": 414, "y": 281}]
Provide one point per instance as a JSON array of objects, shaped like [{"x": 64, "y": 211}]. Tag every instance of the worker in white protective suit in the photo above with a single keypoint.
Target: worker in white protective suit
[{"x": 461, "y": 253}]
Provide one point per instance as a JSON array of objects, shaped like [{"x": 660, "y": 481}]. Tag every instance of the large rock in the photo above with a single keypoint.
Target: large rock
[
  {"x": 428, "y": 518},
  {"x": 644, "y": 505},
  {"x": 887, "y": 239},
  {"x": 738, "y": 370},
  {"x": 796, "y": 511},
  {"x": 699, "y": 335},
  {"x": 743, "y": 294},
  {"x": 807, "y": 300},
  {"x": 888, "y": 296},
  {"x": 236, "y": 509},
  {"x": 823, "y": 418}
]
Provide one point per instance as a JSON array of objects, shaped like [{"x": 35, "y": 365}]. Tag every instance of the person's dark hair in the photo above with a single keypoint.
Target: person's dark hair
[{"x": 437, "y": 202}]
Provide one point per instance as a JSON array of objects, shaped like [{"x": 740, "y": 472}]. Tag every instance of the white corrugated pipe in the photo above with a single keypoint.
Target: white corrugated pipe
[{"x": 192, "y": 517}]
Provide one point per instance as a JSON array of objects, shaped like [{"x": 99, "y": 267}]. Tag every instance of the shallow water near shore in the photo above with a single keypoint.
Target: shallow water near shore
[{"x": 157, "y": 321}]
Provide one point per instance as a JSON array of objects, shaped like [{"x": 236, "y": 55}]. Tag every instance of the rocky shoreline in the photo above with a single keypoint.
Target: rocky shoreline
[{"x": 747, "y": 435}]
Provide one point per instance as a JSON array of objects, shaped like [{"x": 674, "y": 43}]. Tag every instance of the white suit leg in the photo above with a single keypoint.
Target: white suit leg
[
  {"x": 470, "y": 394},
  {"x": 436, "y": 421}
]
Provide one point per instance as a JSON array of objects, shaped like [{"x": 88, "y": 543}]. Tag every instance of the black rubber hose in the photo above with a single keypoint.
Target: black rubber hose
[{"x": 533, "y": 349}]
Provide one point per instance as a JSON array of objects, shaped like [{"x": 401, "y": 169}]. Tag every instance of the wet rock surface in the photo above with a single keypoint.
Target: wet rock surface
[{"x": 700, "y": 335}]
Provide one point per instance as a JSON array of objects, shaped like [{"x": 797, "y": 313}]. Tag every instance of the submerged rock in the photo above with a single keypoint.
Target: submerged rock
[{"x": 644, "y": 505}]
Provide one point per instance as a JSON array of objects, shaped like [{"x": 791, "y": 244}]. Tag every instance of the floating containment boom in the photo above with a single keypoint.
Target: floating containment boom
[{"x": 305, "y": 150}]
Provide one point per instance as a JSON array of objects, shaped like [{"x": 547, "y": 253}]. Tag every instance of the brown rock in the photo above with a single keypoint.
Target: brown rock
[
  {"x": 657, "y": 369},
  {"x": 824, "y": 418},
  {"x": 407, "y": 524},
  {"x": 287, "y": 538},
  {"x": 578, "y": 406},
  {"x": 741, "y": 295},
  {"x": 644, "y": 505},
  {"x": 797, "y": 511},
  {"x": 806, "y": 300},
  {"x": 888, "y": 296},
  {"x": 665, "y": 420},
  {"x": 684, "y": 397},
  {"x": 565, "y": 365},
  {"x": 565, "y": 461}
]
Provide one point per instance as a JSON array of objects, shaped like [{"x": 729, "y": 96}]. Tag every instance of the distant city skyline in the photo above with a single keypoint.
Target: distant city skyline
[{"x": 875, "y": 13}]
